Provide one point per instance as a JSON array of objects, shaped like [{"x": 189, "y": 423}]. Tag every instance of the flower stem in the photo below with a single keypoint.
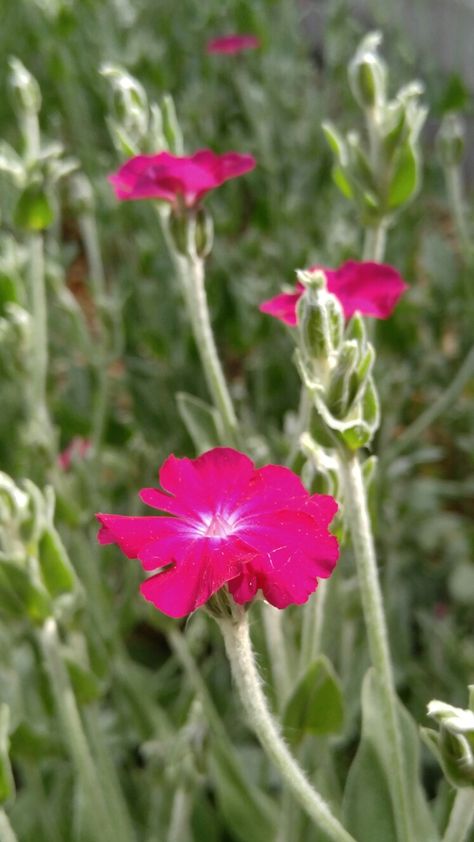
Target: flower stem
[
  {"x": 375, "y": 241},
  {"x": 242, "y": 660},
  {"x": 40, "y": 331},
  {"x": 180, "y": 813},
  {"x": 99, "y": 813},
  {"x": 372, "y": 603},
  {"x": 7, "y": 834},
  {"x": 203, "y": 335},
  {"x": 462, "y": 816},
  {"x": 456, "y": 200}
]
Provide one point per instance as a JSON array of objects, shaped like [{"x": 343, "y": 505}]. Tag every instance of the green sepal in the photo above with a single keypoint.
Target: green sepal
[
  {"x": 56, "y": 569},
  {"x": 34, "y": 210}
]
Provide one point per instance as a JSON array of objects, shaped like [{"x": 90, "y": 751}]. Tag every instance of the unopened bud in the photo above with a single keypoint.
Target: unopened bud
[
  {"x": 454, "y": 743},
  {"x": 367, "y": 73},
  {"x": 320, "y": 317},
  {"x": 342, "y": 388},
  {"x": 25, "y": 88}
]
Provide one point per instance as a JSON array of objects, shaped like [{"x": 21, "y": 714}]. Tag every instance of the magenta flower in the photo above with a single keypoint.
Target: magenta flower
[
  {"x": 373, "y": 289},
  {"x": 252, "y": 529},
  {"x": 173, "y": 177},
  {"x": 232, "y": 44},
  {"x": 78, "y": 448}
]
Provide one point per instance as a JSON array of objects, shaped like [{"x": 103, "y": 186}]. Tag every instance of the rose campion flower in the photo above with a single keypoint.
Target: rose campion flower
[
  {"x": 174, "y": 178},
  {"x": 252, "y": 529},
  {"x": 373, "y": 289},
  {"x": 233, "y": 44},
  {"x": 78, "y": 448}
]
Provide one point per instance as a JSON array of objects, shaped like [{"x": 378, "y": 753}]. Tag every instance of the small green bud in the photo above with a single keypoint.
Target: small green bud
[
  {"x": 320, "y": 317},
  {"x": 339, "y": 393},
  {"x": 367, "y": 73},
  {"x": 204, "y": 236},
  {"x": 25, "y": 88},
  {"x": 453, "y": 745},
  {"x": 451, "y": 141}
]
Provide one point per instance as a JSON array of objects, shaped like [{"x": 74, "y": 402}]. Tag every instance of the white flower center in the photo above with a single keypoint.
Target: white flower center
[{"x": 216, "y": 525}]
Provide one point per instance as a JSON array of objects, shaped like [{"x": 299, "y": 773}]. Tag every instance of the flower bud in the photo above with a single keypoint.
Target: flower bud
[
  {"x": 320, "y": 317},
  {"x": 342, "y": 387},
  {"x": 453, "y": 745},
  {"x": 367, "y": 73},
  {"x": 450, "y": 140},
  {"x": 34, "y": 210},
  {"x": 25, "y": 88}
]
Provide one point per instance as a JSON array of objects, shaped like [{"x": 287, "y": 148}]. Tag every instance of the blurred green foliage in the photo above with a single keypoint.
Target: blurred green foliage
[{"x": 139, "y": 680}]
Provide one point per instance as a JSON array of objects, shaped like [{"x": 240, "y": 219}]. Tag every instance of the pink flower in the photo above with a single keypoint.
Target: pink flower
[
  {"x": 167, "y": 177},
  {"x": 371, "y": 288},
  {"x": 78, "y": 448},
  {"x": 231, "y": 524},
  {"x": 232, "y": 44}
]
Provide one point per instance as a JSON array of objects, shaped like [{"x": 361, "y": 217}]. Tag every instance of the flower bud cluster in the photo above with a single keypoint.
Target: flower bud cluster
[
  {"x": 36, "y": 576},
  {"x": 382, "y": 175},
  {"x": 453, "y": 744},
  {"x": 136, "y": 125},
  {"x": 336, "y": 365}
]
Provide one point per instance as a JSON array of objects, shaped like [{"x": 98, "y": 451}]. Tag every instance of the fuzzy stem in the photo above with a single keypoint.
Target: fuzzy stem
[
  {"x": 372, "y": 603},
  {"x": 461, "y": 819},
  {"x": 7, "y": 834},
  {"x": 39, "y": 326},
  {"x": 244, "y": 670},
  {"x": 99, "y": 813},
  {"x": 190, "y": 272},
  {"x": 203, "y": 335},
  {"x": 180, "y": 813},
  {"x": 456, "y": 200},
  {"x": 375, "y": 242}
]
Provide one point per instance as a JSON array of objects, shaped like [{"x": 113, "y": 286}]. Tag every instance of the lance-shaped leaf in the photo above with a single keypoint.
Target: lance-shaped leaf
[{"x": 316, "y": 705}]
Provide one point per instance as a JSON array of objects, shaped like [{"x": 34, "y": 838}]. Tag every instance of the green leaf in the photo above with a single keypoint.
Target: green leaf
[
  {"x": 34, "y": 210},
  {"x": 404, "y": 181},
  {"x": 316, "y": 704},
  {"x": 342, "y": 182},
  {"x": 201, "y": 421},
  {"x": 87, "y": 686},
  {"x": 7, "y": 785},
  {"x": 369, "y": 797},
  {"x": 21, "y": 595},
  {"x": 246, "y": 809},
  {"x": 56, "y": 568},
  {"x": 33, "y": 743},
  {"x": 335, "y": 141}
]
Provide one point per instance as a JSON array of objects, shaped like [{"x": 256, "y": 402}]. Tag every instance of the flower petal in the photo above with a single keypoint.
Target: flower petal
[
  {"x": 132, "y": 534},
  {"x": 207, "y": 566}
]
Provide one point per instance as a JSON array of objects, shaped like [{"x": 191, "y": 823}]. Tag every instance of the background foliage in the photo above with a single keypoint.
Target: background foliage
[{"x": 139, "y": 679}]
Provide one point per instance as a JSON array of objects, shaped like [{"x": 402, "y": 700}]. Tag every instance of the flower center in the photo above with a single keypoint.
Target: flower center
[{"x": 216, "y": 526}]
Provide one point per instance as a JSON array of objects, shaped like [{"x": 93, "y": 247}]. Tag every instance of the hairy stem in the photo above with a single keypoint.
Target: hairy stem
[
  {"x": 461, "y": 819},
  {"x": 7, "y": 834},
  {"x": 244, "y": 670},
  {"x": 99, "y": 812},
  {"x": 372, "y": 603}
]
